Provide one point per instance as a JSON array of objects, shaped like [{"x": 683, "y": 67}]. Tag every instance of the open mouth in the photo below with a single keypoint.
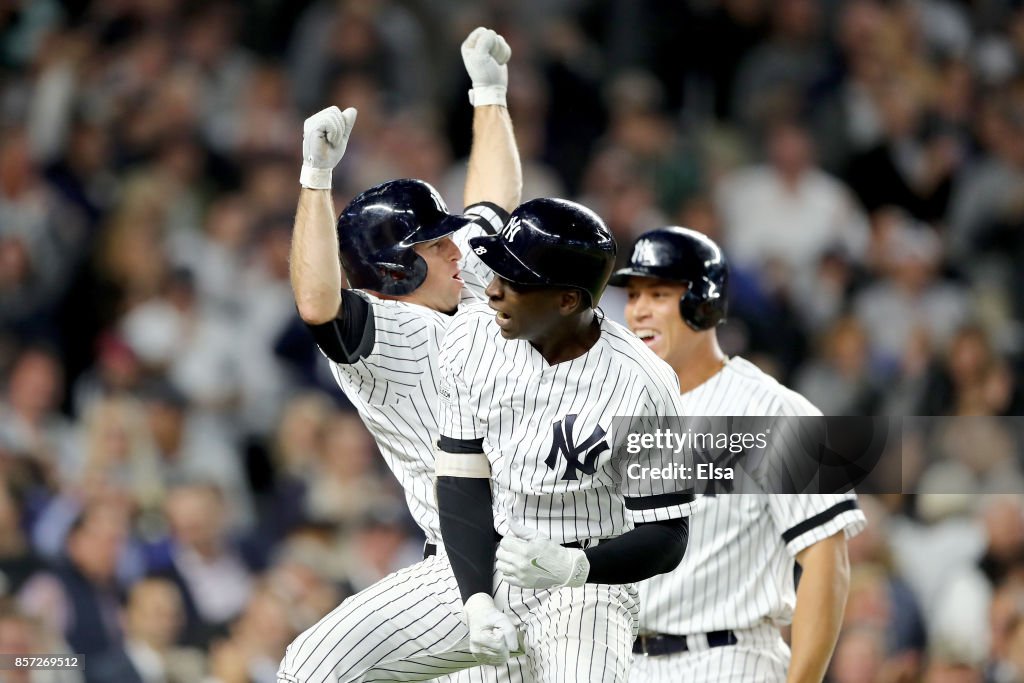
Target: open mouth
[
  {"x": 501, "y": 318},
  {"x": 647, "y": 336},
  {"x": 457, "y": 277}
]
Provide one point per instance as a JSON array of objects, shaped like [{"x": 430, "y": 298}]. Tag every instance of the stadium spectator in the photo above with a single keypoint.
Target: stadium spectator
[
  {"x": 79, "y": 595},
  {"x": 153, "y": 619},
  {"x": 203, "y": 561}
]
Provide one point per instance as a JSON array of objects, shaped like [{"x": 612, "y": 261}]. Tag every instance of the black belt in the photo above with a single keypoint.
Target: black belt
[
  {"x": 430, "y": 549},
  {"x": 654, "y": 644}
]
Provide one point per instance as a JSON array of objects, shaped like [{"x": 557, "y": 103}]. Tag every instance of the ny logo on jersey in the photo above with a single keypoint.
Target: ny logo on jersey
[
  {"x": 510, "y": 231},
  {"x": 645, "y": 253},
  {"x": 563, "y": 442}
]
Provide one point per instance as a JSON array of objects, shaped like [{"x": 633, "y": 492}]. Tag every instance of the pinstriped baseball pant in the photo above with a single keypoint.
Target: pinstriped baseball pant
[{"x": 408, "y": 627}]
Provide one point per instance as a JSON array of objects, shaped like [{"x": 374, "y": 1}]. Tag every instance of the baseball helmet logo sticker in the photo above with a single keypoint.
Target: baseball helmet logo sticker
[
  {"x": 480, "y": 250},
  {"x": 644, "y": 253},
  {"x": 510, "y": 231}
]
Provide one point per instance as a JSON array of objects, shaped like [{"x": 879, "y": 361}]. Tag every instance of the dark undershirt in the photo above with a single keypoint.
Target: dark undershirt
[{"x": 349, "y": 338}]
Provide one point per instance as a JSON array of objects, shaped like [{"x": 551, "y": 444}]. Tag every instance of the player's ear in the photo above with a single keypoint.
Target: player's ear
[{"x": 571, "y": 302}]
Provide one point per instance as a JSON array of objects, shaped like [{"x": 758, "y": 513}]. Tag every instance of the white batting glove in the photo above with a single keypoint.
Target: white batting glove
[
  {"x": 492, "y": 636},
  {"x": 528, "y": 559},
  {"x": 324, "y": 139},
  {"x": 486, "y": 55}
]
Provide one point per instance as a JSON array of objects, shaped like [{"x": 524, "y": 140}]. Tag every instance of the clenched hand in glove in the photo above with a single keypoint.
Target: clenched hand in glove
[
  {"x": 324, "y": 139},
  {"x": 492, "y": 636},
  {"x": 486, "y": 54},
  {"x": 528, "y": 559}
]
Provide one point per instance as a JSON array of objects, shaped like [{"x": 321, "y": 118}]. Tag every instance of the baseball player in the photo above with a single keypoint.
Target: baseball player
[
  {"x": 529, "y": 387},
  {"x": 716, "y": 617},
  {"x": 400, "y": 250}
]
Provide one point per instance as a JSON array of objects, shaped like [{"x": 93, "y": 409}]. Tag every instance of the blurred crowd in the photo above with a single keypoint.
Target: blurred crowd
[{"x": 184, "y": 488}]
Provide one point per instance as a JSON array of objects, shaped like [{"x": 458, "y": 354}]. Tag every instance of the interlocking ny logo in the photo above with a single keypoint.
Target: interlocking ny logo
[
  {"x": 644, "y": 253},
  {"x": 510, "y": 231},
  {"x": 562, "y": 442}
]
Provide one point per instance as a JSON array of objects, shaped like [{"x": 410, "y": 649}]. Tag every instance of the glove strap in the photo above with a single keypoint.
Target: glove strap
[
  {"x": 487, "y": 94},
  {"x": 580, "y": 570},
  {"x": 315, "y": 178}
]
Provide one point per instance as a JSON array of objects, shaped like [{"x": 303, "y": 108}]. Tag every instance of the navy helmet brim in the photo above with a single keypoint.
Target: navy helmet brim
[
  {"x": 495, "y": 254},
  {"x": 446, "y": 226}
]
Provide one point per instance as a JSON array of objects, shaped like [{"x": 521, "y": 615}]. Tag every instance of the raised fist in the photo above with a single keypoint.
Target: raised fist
[
  {"x": 486, "y": 54},
  {"x": 324, "y": 139}
]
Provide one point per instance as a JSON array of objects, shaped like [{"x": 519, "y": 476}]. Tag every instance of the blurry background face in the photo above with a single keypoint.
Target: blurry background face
[
  {"x": 1004, "y": 524},
  {"x": 166, "y": 421},
  {"x": 10, "y": 514},
  {"x": 36, "y": 384},
  {"x": 95, "y": 547},
  {"x": 15, "y": 164},
  {"x": 113, "y": 423},
  {"x": 264, "y": 625},
  {"x": 196, "y": 516},
  {"x": 18, "y": 635},
  {"x": 789, "y": 149},
  {"x": 154, "y": 613},
  {"x": 859, "y": 656},
  {"x": 347, "y": 447}
]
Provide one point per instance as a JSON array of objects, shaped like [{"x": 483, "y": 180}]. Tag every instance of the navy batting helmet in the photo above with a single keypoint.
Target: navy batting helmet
[
  {"x": 377, "y": 230},
  {"x": 551, "y": 242},
  {"x": 683, "y": 255}
]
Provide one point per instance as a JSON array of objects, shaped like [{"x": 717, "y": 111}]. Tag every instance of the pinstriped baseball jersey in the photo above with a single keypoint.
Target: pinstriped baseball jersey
[
  {"x": 394, "y": 388},
  {"x": 738, "y": 568},
  {"x": 547, "y": 430}
]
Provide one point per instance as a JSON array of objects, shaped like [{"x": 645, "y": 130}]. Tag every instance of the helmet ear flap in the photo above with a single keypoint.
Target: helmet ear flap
[
  {"x": 401, "y": 272},
  {"x": 689, "y": 309},
  {"x": 701, "y": 307}
]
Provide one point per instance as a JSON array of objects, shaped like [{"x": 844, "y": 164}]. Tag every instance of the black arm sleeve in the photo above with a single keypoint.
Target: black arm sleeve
[
  {"x": 649, "y": 549},
  {"x": 348, "y": 338},
  {"x": 467, "y": 523}
]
